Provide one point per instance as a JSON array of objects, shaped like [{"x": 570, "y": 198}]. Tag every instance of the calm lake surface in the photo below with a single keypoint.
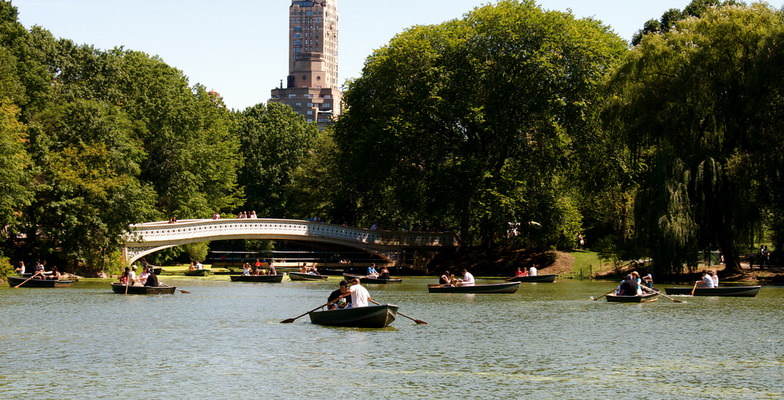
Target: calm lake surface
[{"x": 224, "y": 340}]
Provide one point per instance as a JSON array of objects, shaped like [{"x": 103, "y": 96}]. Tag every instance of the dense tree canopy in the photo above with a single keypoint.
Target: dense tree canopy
[
  {"x": 695, "y": 104},
  {"x": 471, "y": 124},
  {"x": 274, "y": 141}
]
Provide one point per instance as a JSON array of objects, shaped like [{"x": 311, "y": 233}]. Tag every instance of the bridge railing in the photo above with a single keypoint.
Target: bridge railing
[{"x": 188, "y": 231}]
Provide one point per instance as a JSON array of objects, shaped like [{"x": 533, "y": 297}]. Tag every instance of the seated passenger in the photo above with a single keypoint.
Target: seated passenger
[
  {"x": 628, "y": 286},
  {"x": 371, "y": 271},
  {"x": 335, "y": 301},
  {"x": 445, "y": 279},
  {"x": 152, "y": 279}
]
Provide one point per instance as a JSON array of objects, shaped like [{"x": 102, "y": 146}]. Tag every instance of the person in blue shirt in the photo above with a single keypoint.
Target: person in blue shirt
[{"x": 371, "y": 271}]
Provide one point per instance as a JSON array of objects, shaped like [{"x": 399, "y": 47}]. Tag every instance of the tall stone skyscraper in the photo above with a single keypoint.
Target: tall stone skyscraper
[{"x": 311, "y": 87}]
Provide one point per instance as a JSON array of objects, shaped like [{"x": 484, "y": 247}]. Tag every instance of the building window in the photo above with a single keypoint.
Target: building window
[
  {"x": 292, "y": 95},
  {"x": 298, "y": 105},
  {"x": 309, "y": 112},
  {"x": 308, "y": 96}
]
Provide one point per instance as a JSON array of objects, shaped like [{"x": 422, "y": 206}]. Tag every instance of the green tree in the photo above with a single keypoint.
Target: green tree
[
  {"x": 670, "y": 17},
  {"x": 87, "y": 168},
  {"x": 313, "y": 190},
  {"x": 274, "y": 141},
  {"x": 693, "y": 105},
  {"x": 471, "y": 124},
  {"x": 15, "y": 176}
]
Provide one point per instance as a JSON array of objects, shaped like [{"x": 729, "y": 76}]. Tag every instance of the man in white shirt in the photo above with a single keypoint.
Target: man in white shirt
[
  {"x": 359, "y": 295},
  {"x": 468, "y": 278},
  {"x": 532, "y": 271},
  {"x": 132, "y": 279}
]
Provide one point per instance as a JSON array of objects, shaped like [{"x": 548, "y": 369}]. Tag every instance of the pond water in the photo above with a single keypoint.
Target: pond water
[{"x": 225, "y": 340}]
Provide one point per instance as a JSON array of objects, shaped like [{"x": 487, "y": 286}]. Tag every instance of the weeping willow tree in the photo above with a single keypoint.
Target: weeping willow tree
[{"x": 688, "y": 103}]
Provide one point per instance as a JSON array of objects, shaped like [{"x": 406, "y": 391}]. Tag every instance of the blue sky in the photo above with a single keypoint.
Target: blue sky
[{"x": 239, "y": 47}]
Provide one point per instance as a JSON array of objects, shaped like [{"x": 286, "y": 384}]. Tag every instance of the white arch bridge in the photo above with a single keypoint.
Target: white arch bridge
[{"x": 147, "y": 238}]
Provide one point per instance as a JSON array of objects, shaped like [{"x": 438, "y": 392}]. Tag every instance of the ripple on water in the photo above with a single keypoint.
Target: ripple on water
[{"x": 547, "y": 341}]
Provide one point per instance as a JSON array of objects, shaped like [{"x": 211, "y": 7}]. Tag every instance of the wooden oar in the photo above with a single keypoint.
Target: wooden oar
[
  {"x": 661, "y": 294},
  {"x": 694, "y": 288},
  {"x": 25, "y": 281},
  {"x": 418, "y": 321},
  {"x": 290, "y": 320},
  {"x": 183, "y": 291},
  {"x": 597, "y": 298}
]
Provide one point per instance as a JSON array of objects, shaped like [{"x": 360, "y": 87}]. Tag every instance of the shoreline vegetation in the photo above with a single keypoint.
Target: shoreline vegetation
[{"x": 575, "y": 264}]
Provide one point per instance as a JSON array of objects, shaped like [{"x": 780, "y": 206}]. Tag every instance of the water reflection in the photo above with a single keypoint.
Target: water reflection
[{"x": 224, "y": 340}]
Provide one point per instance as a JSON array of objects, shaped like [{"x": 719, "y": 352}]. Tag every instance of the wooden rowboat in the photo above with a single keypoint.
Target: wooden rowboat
[
  {"x": 505, "y": 287},
  {"x": 644, "y": 298},
  {"x": 366, "y": 279},
  {"x": 257, "y": 278},
  {"x": 197, "y": 272},
  {"x": 537, "y": 278},
  {"x": 40, "y": 283},
  {"x": 303, "y": 276},
  {"x": 361, "y": 317},
  {"x": 730, "y": 291},
  {"x": 119, "y": 288}
]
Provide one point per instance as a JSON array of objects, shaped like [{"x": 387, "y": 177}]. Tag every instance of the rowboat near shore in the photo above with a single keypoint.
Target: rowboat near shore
[
  {"x": 120, "y": 288},
  {"x": 257, "y": 278},
  {"x": 367, "y": 279},
  {"x": 505, "y": 287},
  {"x": 644, "y": 298},
  {"x": 304, "y": 276},
  {"x": 38, "y": 283},
  {"x": 728, "y": 291},
  {"x": 378, "y": 316},
  {"x": 536, "y": 278},
  {"x": 197, "y": 272}
]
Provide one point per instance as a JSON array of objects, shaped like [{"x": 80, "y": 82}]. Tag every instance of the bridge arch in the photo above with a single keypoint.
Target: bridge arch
[{"x": 147, "y": 238}]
